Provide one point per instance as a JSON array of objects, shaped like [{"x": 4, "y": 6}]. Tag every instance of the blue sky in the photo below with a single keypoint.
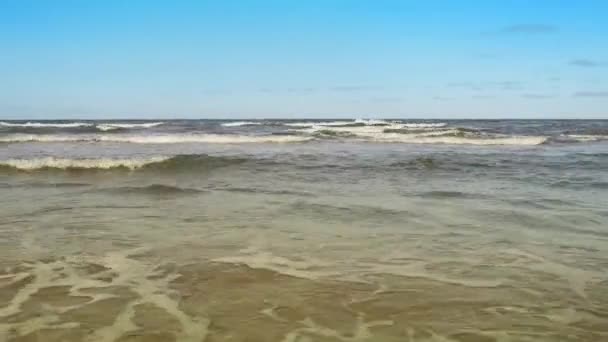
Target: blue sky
[{"x": 314, "y": 58}]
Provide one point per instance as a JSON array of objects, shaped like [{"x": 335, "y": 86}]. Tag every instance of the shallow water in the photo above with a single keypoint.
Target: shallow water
[{"x": 328, "y": 237}]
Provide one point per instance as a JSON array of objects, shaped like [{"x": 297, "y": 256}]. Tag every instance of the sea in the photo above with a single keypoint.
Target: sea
[{"x": 304, "y": 230}]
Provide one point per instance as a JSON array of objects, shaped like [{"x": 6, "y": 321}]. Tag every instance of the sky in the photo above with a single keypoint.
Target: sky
[{"x": 111, "y": 59}]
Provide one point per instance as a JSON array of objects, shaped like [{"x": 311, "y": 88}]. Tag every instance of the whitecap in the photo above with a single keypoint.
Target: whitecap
[
  {"x": 155, "y": 139},
  {"x": 424, "y": 125},
  {"x": 357, "y": 122},
  {"x": 240, "y": 123},
  {"x": 451, "y": 140},
  {"x": 586, "y": 138},
  {"x": 113, "y": 126},
  {"x": 67, "y": 163},
  {"x": 46, "y": 124}
]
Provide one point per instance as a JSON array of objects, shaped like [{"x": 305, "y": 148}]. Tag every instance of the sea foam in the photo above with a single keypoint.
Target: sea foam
[
  {"x": 45, "y": 124},
  {"x": 113, "y": 126},
  {"x": 154, "y": 139},
  {"x": 240, "y": 123},
  {"x": 91, "y": 163}
]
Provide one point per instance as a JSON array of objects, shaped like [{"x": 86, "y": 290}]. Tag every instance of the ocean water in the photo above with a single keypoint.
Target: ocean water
[{"x": 304, "y": 230}]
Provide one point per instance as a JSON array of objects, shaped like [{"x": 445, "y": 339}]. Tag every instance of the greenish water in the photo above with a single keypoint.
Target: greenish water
[{"x": 335, "y": 239}]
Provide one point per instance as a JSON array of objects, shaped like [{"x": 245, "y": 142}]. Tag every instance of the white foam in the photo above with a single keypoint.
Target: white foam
[
  {"x": 14, "y": 138},
  {"x": 349, "y": 129},
  {"x": 45, "y": 124},
  {"x": 424, "y": 125},
  {"x": 66, "y": 163},
  {"x": 372, "y": 122},
  {"x": 450, "y": 140},
  {"x": 240, "y": 123},
  {"x": 431, "y": 135},
  {"x": 366, "y": 122},
  {"x": 155, "y": 139},
  {"x": 203, "y": 138},
  {"x": 113, "y": 126},
  {"x": 584, "y": 138}
]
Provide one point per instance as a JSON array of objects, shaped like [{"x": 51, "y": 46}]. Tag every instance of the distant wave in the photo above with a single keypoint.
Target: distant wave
[
  {"x": 171, "y": 163},
  {"x": 113, "y": 126},
  {"x": 450, "y": 137},
  {"x": 241, "y": 123},
  {"x": 585, "y": 137},
  {"x": 352, "y": 123},
  {"x": 456, "y": 140},
  {"x": 155, "y": 139},
  {"x": 424, "y": 125},
  {"x": 46, "y": 124},
  {"x": 109, "y": 126},
  {"x": 421, "y": 134}
]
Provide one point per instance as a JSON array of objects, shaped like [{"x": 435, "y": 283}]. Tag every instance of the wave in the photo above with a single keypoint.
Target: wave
[
  {"x": 585, "y": 138},
  {"x": 171, "y": 163},
  {"x": 457, "y": 140},
  {"x": 424, "y": 125},
  {"x": 67, "y": 164},
  {"x": 399, "y": 133},
  {"x": 155, "y": 139},
  {"x": 99, "y": 126},
  {"x": 114, "y": 126},
  {"x": 350, "y": 123},
  {"x": 45, "y": 124},
  {"x": 241, "y": 123}
]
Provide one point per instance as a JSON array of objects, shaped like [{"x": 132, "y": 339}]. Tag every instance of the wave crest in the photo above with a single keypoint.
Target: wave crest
[
  {"x": 155, "y": 139},
  {"x": 45, "y": 124},
  {"x": 115, "y": 126},
  {"x": 241, "y": 123},
  {"x": 67, "y": 164},
  {"x": 172, "y": 163}
]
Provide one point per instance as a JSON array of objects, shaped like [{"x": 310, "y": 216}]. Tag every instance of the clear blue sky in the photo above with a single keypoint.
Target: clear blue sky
[{"x": 313, "y": 58}]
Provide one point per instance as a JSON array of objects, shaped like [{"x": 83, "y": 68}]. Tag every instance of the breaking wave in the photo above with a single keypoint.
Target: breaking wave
[
  {"x": 106, "y": 126},
  {"x": 45, "y": 124},
  {"x": 241, "y": 123},
  {"x": 66, "y": 163},
  {"x": 114, "y": 126},
  {"x": 171, "y": 163},
  {"x": 155, "y": 139},
  {"x": 350, "y": 123},
  {"x": 419, "y": 134},
  {"x": 457, "y": 140}
]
